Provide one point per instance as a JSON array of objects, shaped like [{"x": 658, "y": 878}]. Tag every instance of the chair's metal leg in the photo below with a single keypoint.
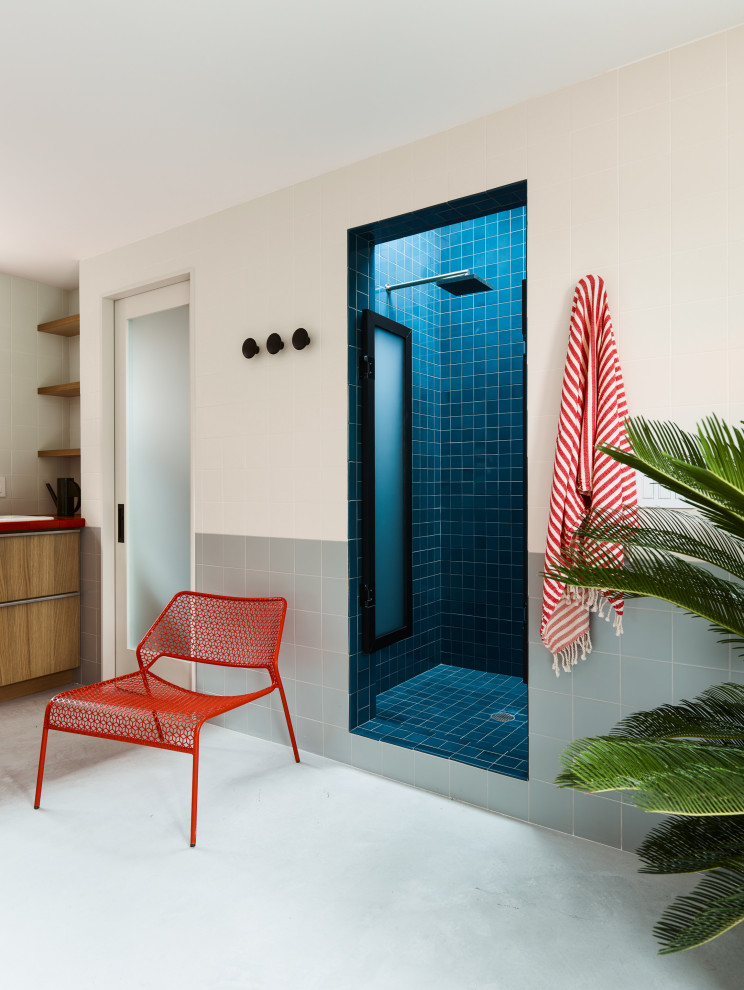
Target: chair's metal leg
[
  {"x": 286, "y": 715},
  {"x": 42, "y": 757},
  {"x": 194, "y": 787}
]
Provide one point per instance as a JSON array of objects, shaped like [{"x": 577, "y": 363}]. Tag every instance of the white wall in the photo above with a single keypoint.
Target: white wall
[{"x": 30, "y": 422}]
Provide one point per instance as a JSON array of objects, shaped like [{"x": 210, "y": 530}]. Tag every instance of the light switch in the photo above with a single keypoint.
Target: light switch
[{"x": 2, "y": 486}]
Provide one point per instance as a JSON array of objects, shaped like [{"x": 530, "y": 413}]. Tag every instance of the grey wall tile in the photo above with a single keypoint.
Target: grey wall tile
[
  {"x": 256, "y": 680},
  {"x": 335, "y": 633},
  {"x": 336, "y": 707},
  {"x": 508, "y": 796},
  {"x": 282, "y": 555},
  {"x": 308, "y": 629},
  {"x": 337, "y": 743},
  {"x": 309, "y": 700},
  {"x": 645, "y": 683},
  {"x": 212, "y": 549},
  {"x": 636, "y": 824},
  {"x": 594, "y": 718},
  {"x": 550, "y": 714},
  {"x": 541, "y": 673},
  {"x": 233, "y": 551},
  {"x": 545, "y": 757},
  {"x": 210, "y": 679},
  {"x": 274, "y": 700},
  {"x": 308, "y": 664},
  {"x": 469, "y": 784},
  {"x": 305, "y": 728},
  {"x": 257, "y": 553},
  {"x": 252, "y": 719},
  {"x": 397, "y": 763},
  {"x": 90, "y": 672},
  {"x": 695, "y": 644},
  {"x": 655, "y": 604},
  {"x": 233, "y": 581},
  {"x": 366, "y": 753},
  {"x": 603, "y": 635},
  {"x": 597, "y": 677},
  {"x": 336, "y": 670},
  {"x": 212, "y": 580},
  {"x": 335, "y": 596},
  {"x": 534, "y": 618},
  {"x": 309, "y": 735},
  {"x": 597, "y": 819},
  {"x": 236, "y": 680},
  {"x": 308, "y": 594},
  {"x": 535, "y": 564},
  {"x": 308, "y": 557},
  {"x": 335, "y": 560},
  {"x": 257, "y": 584},
  {"x": 551, "y": 806},
  {"x": 690, "y": 681},
  {"x": 283, "y": 584},
  {"x": 431, "y": 773},
  {"x": 647, "y": 634},
  {"x": 287, "y": 662}
]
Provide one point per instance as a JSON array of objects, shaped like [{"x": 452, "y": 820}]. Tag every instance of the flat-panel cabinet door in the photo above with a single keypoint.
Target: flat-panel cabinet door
[{"x": 39, "y": 638}]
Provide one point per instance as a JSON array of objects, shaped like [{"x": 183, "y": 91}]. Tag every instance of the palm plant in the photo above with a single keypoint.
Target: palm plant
[{"x": 685, "y": 760}]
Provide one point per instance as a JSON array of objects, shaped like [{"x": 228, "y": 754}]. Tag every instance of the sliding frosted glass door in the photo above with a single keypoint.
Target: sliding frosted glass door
[{"x": 386, "y": 468}]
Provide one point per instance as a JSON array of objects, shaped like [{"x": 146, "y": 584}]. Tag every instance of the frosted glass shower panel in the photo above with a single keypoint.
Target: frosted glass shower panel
[
  {"x": 389, "y": 482},
  {"x": 386, "y": 591},
  {"x": 158, "y": 465}
]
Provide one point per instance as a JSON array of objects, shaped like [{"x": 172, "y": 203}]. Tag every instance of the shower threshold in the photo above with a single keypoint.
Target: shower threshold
[{"x": 449, "y": 712}]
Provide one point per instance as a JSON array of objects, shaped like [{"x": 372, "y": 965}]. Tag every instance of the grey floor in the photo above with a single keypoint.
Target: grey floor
[{"x": 304, "y": 877}]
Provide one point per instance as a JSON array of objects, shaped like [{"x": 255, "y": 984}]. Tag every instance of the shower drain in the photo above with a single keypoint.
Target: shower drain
[{"x": 503, "y": 717}]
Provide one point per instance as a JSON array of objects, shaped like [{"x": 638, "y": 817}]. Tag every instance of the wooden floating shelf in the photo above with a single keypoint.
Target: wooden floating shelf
[
  {"x": 68, "y": 326},
  {"x": 67, "y": 389},
  {"x": 68, "y": 452}
]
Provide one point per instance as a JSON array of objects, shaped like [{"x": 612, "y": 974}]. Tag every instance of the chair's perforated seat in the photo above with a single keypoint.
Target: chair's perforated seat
[{"x": 139, "y": 707}]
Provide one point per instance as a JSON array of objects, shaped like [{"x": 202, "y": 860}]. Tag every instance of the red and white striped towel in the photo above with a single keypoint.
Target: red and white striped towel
[{"x": 593, "y": 410}]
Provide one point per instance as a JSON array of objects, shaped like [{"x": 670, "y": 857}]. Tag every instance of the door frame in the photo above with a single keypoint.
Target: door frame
[{"x": 107, "y": 476}]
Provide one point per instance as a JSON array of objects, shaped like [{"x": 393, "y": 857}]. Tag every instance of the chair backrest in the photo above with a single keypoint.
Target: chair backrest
[{"x": 236, "y": 632}]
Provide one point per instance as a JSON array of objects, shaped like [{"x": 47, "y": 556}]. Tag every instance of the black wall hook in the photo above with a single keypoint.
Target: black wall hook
[
  {"x": 274, "y": 344},
  {"x": 250, "y": 347},
  {"x": 300, "y": 338}
]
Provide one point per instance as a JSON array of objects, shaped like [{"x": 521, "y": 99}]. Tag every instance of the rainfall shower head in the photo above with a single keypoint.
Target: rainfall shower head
[{"x": 462, "y": 283}]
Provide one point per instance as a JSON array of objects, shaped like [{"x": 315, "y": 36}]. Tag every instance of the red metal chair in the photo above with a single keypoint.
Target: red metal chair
[{"x": 143, "y": 708}]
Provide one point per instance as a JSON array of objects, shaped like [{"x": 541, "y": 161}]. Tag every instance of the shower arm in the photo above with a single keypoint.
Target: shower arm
[{"x": 431, "y": 278}]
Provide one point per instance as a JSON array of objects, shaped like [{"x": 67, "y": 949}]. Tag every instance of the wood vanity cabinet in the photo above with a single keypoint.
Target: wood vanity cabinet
[{"x": 39, "y": 611}]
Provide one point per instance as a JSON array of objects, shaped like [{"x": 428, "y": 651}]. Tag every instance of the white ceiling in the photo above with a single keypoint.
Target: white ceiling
[{"x": 122, "y": 119}]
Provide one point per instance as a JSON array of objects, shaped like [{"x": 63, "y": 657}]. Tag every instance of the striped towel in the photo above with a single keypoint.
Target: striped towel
[{"x": 593, "y": 410}]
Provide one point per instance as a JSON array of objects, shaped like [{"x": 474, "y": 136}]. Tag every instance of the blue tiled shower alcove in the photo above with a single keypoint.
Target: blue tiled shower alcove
[{"x": 438, "y": 689}]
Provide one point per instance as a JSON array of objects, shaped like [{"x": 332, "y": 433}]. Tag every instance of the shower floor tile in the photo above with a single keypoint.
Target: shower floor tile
[{"x": 447, "y": 711}]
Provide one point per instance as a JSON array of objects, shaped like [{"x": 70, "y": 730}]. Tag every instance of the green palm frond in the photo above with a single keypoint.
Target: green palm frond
[
  {"x": 656, "y": 574},
  {"x": 722, "y": 446},
  {"x": 718, "y": 713},
  {"x": 676, "y": 778},
  {"x": 671, "y": 530},
  {"x": 688, "y": 759},
  {"x": 713, "y": 907},
  {"x": 691, "y": 845}
]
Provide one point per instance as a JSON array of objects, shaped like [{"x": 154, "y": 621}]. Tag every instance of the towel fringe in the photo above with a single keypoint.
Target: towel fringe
[{"x": 569, "y": 657}]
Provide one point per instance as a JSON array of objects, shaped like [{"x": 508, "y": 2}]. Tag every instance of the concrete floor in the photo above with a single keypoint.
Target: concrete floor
[{"x": 304, "y": 877}]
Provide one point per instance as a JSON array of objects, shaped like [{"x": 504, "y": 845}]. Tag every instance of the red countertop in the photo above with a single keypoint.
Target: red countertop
[{"x": 35, "y": 525}]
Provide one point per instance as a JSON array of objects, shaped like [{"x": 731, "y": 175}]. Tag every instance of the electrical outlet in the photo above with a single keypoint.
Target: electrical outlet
[
  {"x": 2, "y": 486},
  {"x": 652, "y": 493}
]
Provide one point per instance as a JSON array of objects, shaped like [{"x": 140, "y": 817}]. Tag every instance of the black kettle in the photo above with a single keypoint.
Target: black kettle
[{"x": 67, "y": 491}]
